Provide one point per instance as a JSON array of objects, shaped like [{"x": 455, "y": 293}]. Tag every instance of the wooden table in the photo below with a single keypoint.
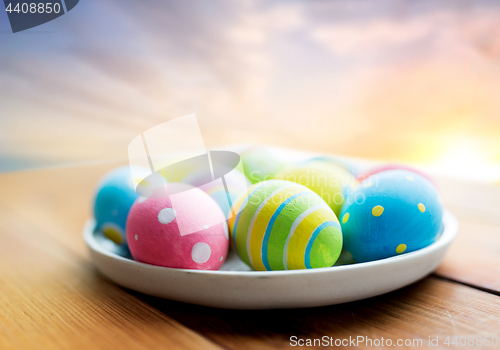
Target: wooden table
[{"x": 51, "y": 296}]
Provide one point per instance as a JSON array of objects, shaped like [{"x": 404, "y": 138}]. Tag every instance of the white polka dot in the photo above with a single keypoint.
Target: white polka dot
[
  {"x": 166, "y": 215},
  {"x": 142, "y": 200},
  {"x": 201, "y": 252},
  {"x": 206, "y": 227},
  {"x": 136, "y": 237},
  {"x": 221, "y": 258}
]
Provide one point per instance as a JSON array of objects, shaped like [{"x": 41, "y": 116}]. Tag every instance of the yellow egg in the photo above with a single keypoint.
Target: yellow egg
[{"x": 328, "y": 180}]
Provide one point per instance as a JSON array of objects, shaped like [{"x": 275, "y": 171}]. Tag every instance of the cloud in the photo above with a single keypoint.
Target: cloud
[{"x": 284, "y": 72}]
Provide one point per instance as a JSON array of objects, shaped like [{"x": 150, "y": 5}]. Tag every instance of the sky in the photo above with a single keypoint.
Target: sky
[{"x": 387, "y": 80}]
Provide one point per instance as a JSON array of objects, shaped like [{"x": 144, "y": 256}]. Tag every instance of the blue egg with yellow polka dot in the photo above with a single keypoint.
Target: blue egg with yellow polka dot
[
  {"x": 390, "y": 213},
  {"x": 114, "y": 197}
]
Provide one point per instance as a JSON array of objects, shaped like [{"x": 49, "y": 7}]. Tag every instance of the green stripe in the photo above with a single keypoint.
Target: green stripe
[
  {"x": 282, "y": 227},
  {"x": 245, "y": 216},
  {"x": 325, "y": 248},
  {"x": 277, "y": 212}
]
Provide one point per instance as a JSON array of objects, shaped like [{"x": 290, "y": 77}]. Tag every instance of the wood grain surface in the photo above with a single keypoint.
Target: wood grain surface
[
  {"x": 432, "y": 307},
  {"x": 53, "y": 298},
  {"x": 474, "y": 257}
]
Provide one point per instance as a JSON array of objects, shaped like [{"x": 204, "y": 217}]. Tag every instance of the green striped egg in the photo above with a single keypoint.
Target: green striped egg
[{"x": 284, "y": 226}]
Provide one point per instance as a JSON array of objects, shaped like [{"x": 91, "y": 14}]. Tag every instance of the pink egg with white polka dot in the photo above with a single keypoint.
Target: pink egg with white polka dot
[{"x": 187, "y": 230}]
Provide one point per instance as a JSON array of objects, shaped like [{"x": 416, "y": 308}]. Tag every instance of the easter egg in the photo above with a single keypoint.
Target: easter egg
[
  {"x": 390, "y": 213},
  {"x": 155, "y": 237},
  {"x": 284, "y": 226},
  {"x": 328, "y": 180},
  {"x": 115, "y": 194},
  {"x": 348, "y": 165},
  {"x": 224, "y": 193},
  {"x": 260, "y": 164},
  {"x": 384, "y": 167}
]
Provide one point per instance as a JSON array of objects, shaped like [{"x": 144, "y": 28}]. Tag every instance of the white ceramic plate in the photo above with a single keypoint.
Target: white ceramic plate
[{"x": 236, "y": 287}]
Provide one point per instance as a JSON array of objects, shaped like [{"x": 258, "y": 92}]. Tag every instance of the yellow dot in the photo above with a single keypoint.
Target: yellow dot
[
  {"x": 345, "y": 218},
  {"x": 113, "y": 235},
  {"x": 410, "y": 178},
  {"x": 421, "y": 207},
  {"x": 367, "y": 184},
  {"x": 401, "y": 248},
  {"x": 377, "y": 210}
]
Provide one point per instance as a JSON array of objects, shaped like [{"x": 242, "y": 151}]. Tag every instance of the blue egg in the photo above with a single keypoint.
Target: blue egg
[
  {"x": 115, "y": 195},
  {"x": 390, "y": 213}
]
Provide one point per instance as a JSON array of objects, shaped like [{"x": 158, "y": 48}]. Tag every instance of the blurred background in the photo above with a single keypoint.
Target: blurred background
[{"x": 399, "y": 81}]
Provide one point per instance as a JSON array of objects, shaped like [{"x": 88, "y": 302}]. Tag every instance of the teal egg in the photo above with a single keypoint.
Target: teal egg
[
  {"x": 114, "y": 197},
  {"x": 390, "y": 213}
]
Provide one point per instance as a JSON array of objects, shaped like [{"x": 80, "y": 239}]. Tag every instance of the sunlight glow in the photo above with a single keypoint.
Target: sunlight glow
[{"x": 468, "y": 158}]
